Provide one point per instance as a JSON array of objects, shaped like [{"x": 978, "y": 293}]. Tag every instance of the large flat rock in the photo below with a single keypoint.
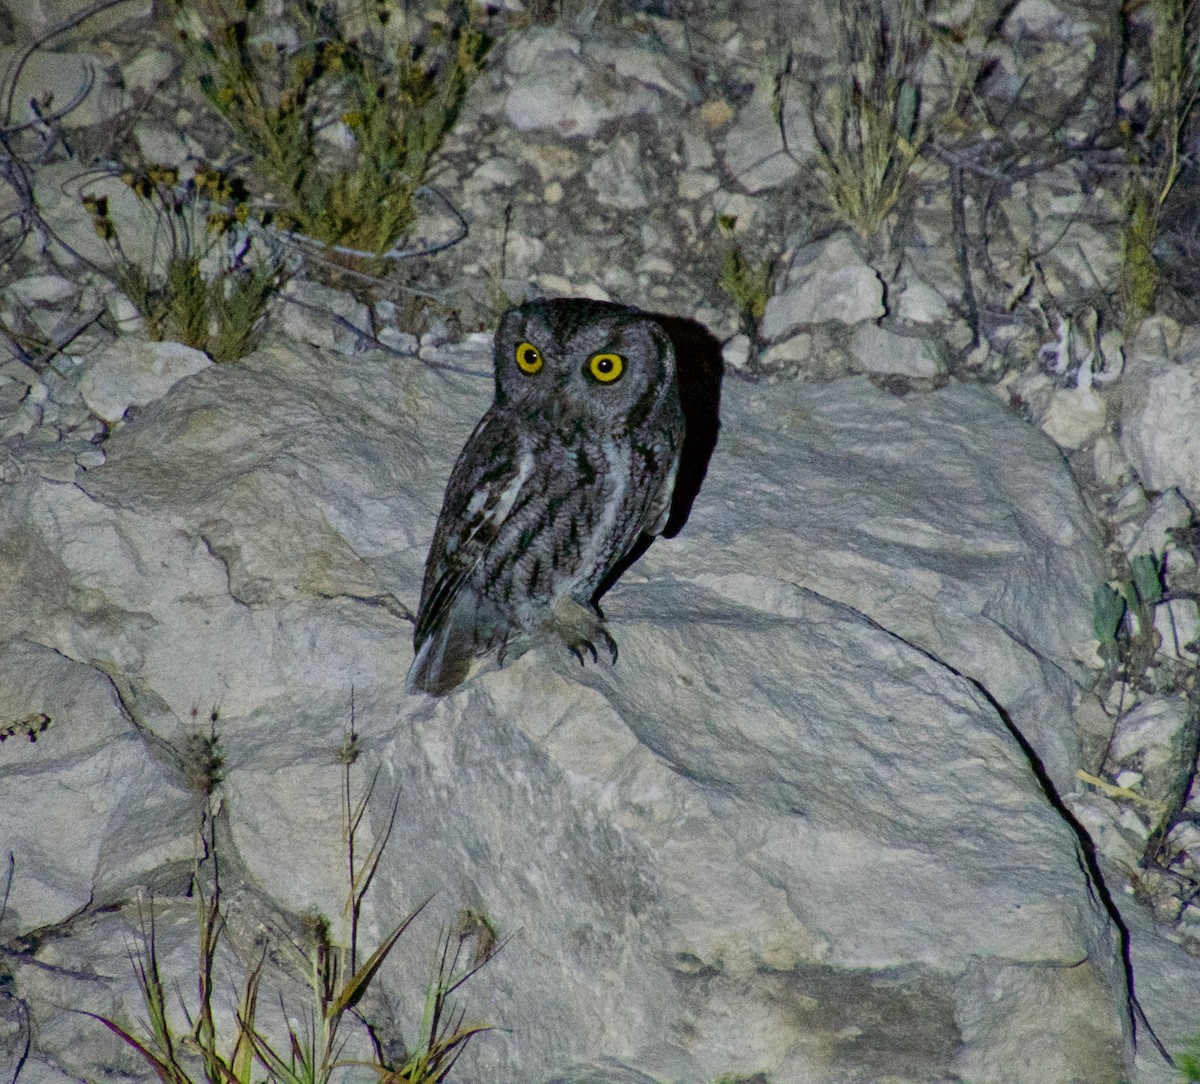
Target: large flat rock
[{"x": 792, "y": 832}]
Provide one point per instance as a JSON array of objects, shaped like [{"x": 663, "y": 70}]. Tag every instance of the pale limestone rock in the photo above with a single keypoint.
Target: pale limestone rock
[
  {"x": 616, "y": 175},
  {"x": 131, "y": 372},
  {"x": 792, "y": 810},
  {"x": 558, "y": 89},
  {"x": 42, "y": 290},
  {"x": 1160, "y": 426},
  {"x": 828, "y": 281},
  {"x": 881, "y": 350},
  {"x": 64, "y": 77},
  {"x": 1074, "y": 417},
  {"x": 753, "y": 148}
]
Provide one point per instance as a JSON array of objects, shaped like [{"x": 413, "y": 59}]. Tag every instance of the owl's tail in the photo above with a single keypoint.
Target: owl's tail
[{"x": 464, "y": 631}]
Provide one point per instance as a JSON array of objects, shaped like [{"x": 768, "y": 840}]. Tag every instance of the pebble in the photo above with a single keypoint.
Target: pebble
[{"x": 878, "y": 350}]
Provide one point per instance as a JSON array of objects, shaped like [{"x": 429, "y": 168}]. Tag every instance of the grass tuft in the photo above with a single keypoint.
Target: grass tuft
[
  {"x": 391, "y": 85},
  {"x": 207, "y": 281},
  {"x": 867, "y": 125},
  {"x": 336, "y": 981},
  {"x": 1156, "y": 147}
]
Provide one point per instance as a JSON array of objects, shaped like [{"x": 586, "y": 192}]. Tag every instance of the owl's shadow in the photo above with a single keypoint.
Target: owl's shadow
[{"x": 700, "y": 368}]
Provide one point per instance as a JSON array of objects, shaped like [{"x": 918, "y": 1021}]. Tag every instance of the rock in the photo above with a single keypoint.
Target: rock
[
  {"x": 42, "y": 290},
  {"x": 63, "y": 80},
  {"x": 133, "y": 373},
  {"x": 1074, "y": 417},
  {"x": 1178, "y": 623},
  {"x": 1160, "y": 426},
  {"x": 736, "y": 352},
  {"x": 325, "y": 317},
  {"x": 559, "y": 90},
  {"x": 920, "y": 303},
  {"x": 148, "y": 70},
  {"x": 828, "y": 281},
  {"x": 795, "y": 801},
  {"x": 617, "y": 176},
  {"x": 491, "y": 174},
  {"x": 880, "y": 350},
  {"x": 647, "y": 64},
  {"x": 753, "y": 148},
  {"x": 1150, "y": 733}
]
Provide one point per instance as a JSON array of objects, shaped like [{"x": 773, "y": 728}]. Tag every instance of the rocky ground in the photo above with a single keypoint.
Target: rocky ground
[{"x": 637, "y": 155}]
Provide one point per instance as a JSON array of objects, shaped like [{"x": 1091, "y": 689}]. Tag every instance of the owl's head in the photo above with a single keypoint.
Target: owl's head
[{"x": 571, "y": 356}]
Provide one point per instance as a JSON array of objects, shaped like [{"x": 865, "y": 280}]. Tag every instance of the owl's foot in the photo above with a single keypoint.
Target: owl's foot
[{"x": 579, "y": 627}]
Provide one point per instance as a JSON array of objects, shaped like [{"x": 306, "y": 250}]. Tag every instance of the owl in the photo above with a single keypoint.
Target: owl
[{"x": 574, "y": 460}]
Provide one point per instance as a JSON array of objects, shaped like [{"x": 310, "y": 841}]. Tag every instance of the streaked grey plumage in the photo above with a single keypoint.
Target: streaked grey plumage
[{"x": 574, "y": 460}]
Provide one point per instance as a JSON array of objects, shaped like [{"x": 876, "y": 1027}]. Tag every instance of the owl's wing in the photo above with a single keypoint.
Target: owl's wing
[{"x": 454, "y": 617}]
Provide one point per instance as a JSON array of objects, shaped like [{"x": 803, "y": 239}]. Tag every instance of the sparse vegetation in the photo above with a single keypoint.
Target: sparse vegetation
[
  {"x": 747, "y": 284},
  {"x": 341, "y": 114},
  {"x": 337, "y": 982},
  {"x": 866, "y": 121},
  {"x": 1123, "y": 615},
  {"x": 1157, "y": 146},
  {"x": 207, "y": 281}
]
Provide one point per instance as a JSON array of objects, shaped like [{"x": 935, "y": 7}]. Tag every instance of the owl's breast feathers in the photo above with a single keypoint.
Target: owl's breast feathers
[{"x": 532, "y": 515}]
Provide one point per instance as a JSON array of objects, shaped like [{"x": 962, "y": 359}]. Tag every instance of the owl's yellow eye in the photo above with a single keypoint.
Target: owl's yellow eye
[
  {"x": 606, "y": 367},
  {"x": 529, "y": 358}
]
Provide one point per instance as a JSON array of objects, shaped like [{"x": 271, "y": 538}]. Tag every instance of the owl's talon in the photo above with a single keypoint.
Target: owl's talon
[
  {"x": 609, "y": 643},
  {"x": 578, "y": 649}
]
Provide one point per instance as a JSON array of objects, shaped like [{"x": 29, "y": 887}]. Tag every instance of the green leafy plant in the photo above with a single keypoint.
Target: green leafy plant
[
  {"x": 866, "y": 124},
  {"x": 206, "y": 282},
  {"x": 1123, "y": 614},
  {"x": 1156, "y": 147},
  {"x": 394, "y": 84},
  {"x": 747, "y": 284},
  {"x": 336, "y": 981}
]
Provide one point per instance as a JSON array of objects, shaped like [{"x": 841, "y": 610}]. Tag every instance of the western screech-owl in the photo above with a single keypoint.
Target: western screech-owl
[{"x": 575, "y": 459}]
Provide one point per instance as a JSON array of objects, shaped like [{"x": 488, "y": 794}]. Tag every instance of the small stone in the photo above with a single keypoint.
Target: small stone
[
  {"x": 93, "y": 457},
  {"x": 63, "y": 77},
  {"x": 325, "y": 317},
  {"x": 148, "y": 70},
  {"x": 654, "y": 68},
  {"x": 19, "y": 373},
  {"x": 617, "y": 177},
  {"x": 1109, "y": 463},
  {"x": 1151, "y": 731},
  {"x": 401, "y": 341},
  {"x": 695, "y": 185},
  {"x": 124, "y": 312},
  {"x": 879, "y": 350},
  {"x": 134, "y": 373},
  {"x": 716, "y": 114},
  {"x": 42, "y": 290},
  {"x": 754, "y": 150},
  {"x": 848, "y": 293},
  {"x": 493, "y": 173},
  {"x": 553, "y": 193},
  {"x": 920, "y": 303},
  {"x": 654, "y": 265},
  {"x": 736, "y": 352},
  {"x": 22, "y": 421},
  {"x": 529, "y": 51},
  {"x": 1074, "y": 417},
  {"x": 1160, "y": 427},
  {"x": 161, "y": 144},
  {"x": 573, "y": 98},
  {"x": 790, "y": 355},
  {"x": 1178, "y": 623}
]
